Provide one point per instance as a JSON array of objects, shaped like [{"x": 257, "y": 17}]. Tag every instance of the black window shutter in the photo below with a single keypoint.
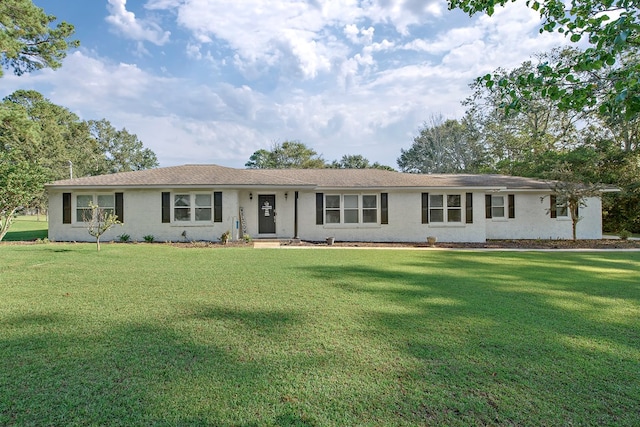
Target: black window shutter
[
  {"x": 319, "y": 208},
  {"x": 120, "y": 207},
  {"x": 384, "y": 208},
  {"x": 425, "y": 208},
  {"x": 552, "y": 206},
  {"x": 487, "y": 206},
  {"x": 166, "y": 206},
  {"x": 217, "y": 206},
  {"x": 469, "y": 208},
  {"x": 512, "y": 205},
  {"x": 66, "y": 208}
]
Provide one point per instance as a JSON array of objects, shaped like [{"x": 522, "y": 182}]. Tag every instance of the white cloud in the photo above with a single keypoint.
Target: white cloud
[
  {"x": 125, "y": 22},
  {"x": 343, "y": 76}
]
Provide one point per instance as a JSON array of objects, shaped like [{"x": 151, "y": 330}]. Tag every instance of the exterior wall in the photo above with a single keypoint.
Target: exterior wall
[
  {"x": 143, "y": 207},
  {"x": 142, "y": 217},
  {"x": 533, "y": 221},
  {"x": 405, "y": 223}
]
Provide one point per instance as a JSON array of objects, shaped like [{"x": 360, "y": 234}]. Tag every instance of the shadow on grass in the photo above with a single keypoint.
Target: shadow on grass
[
  {"x": 509, "y": 339},
  {"x": 137, "y": 374},
  {"x": 25, "y": 236}
]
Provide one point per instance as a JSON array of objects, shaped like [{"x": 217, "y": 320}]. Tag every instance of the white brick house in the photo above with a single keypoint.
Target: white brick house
[{"x": 201, "y": 202}]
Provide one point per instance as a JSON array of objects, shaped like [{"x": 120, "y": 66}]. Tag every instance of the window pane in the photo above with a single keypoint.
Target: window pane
[
  {"x": 436, "y": 215},
  {"x": 83, "y": 201},
  {"x": 369, "y": 202},
  {"x": 203, "y": 214},
  {"x": 333, "y": 202},
  {"x": 83, "y": 214},
  {"x": 203, "y": 200},
  {"x": 497, "y": 200},
  {"x": 351, "y": 202},
  {"x": 497, "y": 212},
  {"x": 369, "y": 215},
  {"x": 333, "y": 217},
  {"x": 436, "y": 201},
  {"x": 106, "y": 200},
  {"x": 182, "y": 214},
  {"x": 350, "y": 216},
  {"x": 182, "y": 200},
  {"x": 454, "y": 215},
  {"x": 454, "y": 200}
]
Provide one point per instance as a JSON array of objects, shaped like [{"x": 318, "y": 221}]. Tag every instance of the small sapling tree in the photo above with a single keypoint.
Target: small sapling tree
[
  {"x": 98, "y": 221},
  {"x": 569, "y": 191}
]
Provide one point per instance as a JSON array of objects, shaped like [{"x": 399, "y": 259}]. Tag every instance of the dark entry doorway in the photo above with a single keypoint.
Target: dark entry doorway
[{"x": 267, "y": 214}]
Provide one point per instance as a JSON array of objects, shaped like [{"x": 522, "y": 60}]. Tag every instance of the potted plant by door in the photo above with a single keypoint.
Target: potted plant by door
[{"x": 431, "y": 240}]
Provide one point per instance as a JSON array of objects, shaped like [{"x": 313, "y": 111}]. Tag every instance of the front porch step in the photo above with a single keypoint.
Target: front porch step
[{"x": 266, "y": 243}]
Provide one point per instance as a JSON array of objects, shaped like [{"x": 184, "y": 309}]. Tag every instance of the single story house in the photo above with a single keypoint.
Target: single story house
[{"x": 201, "y": 202}]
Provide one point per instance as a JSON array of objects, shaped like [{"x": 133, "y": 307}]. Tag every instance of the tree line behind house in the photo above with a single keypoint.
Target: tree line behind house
[{"x": 571, "y": 110}]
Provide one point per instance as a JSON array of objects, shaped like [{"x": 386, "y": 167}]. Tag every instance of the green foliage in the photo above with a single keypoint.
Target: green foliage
[
  {"x": 149, "y": 238},
  {"x": 225, "y": 237},
  {"x": 356, "y": 161},
  {"x": 624, "y": 234},
  {"x": 160, "y": 335},
  {"x": 123, "y": 152},
  {"x": 124, "y": 238},
  {"x": 569, "y": 188},
  {"x": 288, "y": 155},
  {"x": 443, "y": 146},
  {"x": 27, "y": 42},
  {"x": 20, "y": 183},
  {"x": 539, "y": 137},
  {"x": 605, "y": 76},
  {"x": 98, "y": 221}
]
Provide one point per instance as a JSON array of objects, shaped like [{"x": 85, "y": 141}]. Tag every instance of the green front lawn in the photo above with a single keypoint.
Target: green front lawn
[
  {"x": 27, "y": 228},
  {"x": 143, "y": 334}
]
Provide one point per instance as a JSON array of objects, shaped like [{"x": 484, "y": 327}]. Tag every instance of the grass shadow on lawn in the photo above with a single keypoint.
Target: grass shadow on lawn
[
  {"x": 317, "y": 338},
  {"x": 507, "y": 339},
  {"x": 138, "y": 374}
]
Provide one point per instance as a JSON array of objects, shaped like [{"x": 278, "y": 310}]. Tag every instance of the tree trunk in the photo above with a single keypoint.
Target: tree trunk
[{"x": 5, "y": 223}]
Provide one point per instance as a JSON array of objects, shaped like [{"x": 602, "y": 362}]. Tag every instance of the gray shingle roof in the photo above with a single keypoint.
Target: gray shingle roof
[{"x": 214, "y": 175}]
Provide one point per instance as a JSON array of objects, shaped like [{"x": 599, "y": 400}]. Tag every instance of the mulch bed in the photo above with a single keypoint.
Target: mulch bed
[{"x": 489, "y": 244}]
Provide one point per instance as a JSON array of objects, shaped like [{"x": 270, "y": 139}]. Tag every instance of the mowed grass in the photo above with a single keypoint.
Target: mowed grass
[
  {"x": 143, "y": 334},
  {"x": 27, "y": 228}
]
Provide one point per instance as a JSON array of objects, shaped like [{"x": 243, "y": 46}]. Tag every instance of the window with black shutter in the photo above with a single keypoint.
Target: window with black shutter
[
  {"x": 319, "y": 208},
  {"x": 120, "y": 207},
  {"x": 66, "y": 208},
  {"x": 487, "y": 206},
  {"x": 384, "y": 208},
  {"x": 217, "y": 206},
  {"x": 166, "y": 207},
  {"x": 425, "y": 208},
  {"x": 512, "y": 205}
]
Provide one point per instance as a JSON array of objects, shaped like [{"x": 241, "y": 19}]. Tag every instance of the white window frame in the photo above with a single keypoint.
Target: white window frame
[
  {"x": 96, "y": 199},
  {"x": 498, "y": 210},
  {"x": 193, "y": 207},
  {"x": 446, "y": 209},
  {"x": 345, "y": 208},
  {"x": 562, "y": 208}
]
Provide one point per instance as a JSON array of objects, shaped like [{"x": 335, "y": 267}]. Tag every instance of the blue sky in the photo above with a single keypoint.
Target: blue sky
[{"x": 212, "y": 81}]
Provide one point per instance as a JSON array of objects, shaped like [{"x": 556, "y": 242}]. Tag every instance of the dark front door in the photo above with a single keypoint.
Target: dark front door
[{"x": 267, "y": 214}]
